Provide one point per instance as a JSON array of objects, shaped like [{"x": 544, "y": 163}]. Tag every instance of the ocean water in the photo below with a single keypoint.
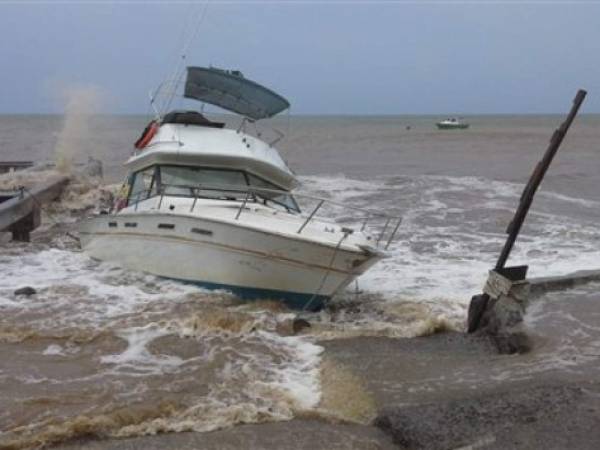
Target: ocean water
[{"x": 112, "y": 352}]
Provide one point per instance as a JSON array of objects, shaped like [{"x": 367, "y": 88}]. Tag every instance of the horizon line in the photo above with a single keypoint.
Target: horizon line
[{"x": 315, "y": 114}]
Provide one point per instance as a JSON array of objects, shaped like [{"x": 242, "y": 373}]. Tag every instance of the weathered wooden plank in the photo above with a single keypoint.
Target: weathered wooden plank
[{"x": 498, "y": 285}]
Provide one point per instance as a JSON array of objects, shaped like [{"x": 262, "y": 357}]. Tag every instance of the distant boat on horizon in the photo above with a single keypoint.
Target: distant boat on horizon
[{"x": 452, "y": 124}]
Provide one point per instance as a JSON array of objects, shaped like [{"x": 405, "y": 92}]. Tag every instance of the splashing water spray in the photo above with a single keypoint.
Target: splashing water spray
[{"x": 80, "y": 103}]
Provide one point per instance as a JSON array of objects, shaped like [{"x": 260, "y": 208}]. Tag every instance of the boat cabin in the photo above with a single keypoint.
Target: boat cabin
[
  {"x": 206, "y": 183},
  {"x": 185, "y": 154}
]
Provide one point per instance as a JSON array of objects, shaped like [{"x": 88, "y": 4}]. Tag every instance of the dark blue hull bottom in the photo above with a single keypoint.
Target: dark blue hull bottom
[{"x": 294, "y": 300}]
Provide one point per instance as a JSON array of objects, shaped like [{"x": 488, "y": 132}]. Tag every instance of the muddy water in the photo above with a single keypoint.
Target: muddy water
[
  {"x": 104, "y": 351},
  {"x": 101, "y": 351}
]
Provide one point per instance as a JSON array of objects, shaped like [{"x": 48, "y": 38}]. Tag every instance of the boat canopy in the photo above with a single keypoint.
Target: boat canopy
[
  {"x": 228, "y": 89},
  {"x": 190, "y": 118}
]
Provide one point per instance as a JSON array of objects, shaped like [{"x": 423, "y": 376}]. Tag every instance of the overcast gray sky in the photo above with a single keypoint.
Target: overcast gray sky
[{"x": 326, "y": 57}]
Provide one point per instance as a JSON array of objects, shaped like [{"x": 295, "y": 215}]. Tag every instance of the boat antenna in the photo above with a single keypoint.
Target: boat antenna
[
  {"x": 180, "y": 66},
  {"x": 156, "y": 93}
]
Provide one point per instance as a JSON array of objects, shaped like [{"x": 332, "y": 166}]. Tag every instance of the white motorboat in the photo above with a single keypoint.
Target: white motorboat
[
  {"x": 214, "y": 206},
  {"x": 452, "y": 123}
]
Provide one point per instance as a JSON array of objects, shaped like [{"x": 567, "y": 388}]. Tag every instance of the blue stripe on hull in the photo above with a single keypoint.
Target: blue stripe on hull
[{"x": 294, "y": 300}]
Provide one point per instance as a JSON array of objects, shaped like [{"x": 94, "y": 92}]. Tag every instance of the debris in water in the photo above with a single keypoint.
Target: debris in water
[{"x": 27, "y": 291}]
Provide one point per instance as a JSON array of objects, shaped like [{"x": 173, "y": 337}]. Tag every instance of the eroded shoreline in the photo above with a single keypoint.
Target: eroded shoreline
[{"x": 419, "y": 407}]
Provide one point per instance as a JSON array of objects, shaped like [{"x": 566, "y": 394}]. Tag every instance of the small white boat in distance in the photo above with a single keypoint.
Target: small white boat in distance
[
  {"x": 214, "y": 206},
  {"x": 452, "y": 124}
]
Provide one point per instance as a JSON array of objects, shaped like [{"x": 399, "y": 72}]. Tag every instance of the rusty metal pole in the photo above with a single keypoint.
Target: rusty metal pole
[{"x": 479, "y": 302}]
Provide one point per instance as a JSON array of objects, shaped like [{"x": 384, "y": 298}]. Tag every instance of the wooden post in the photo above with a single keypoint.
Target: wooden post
[
  {"x": 535, "y": 180},
  {"x": 479, "y": 303}
]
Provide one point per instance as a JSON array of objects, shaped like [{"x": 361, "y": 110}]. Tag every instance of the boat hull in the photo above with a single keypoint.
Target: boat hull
[
  {"x": 445, "y": 126},
  {"x": 253, "y": 264},
  {"x": 294, "y": 300}
]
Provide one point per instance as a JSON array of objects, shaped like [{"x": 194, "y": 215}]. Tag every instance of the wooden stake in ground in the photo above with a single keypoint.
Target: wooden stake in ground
[{"x": 479, "y": 303}]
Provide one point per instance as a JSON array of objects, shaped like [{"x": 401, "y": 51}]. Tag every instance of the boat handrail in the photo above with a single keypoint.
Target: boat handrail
[
  {"x": 256, "y": 189},
  {"x": 250, "y": 190}
]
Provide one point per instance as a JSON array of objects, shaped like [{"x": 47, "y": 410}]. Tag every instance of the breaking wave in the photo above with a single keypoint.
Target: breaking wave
[
  {"x": 203, "y": 360},
  {"x": 453, "y": 230}
]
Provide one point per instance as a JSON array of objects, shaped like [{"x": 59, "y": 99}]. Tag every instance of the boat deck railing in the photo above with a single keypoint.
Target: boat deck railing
[{"x": 385, "y": 225}]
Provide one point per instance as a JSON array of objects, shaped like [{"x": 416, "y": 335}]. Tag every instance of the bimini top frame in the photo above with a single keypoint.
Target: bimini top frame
[{"x": 231, "y": 91}]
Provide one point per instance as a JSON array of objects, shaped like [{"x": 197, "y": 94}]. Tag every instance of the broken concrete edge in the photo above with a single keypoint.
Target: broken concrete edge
[
  {"x": 501, "y": 416},
  {"x": 498, "y": 313},
  {"x": 14, "y": 166},
  {"x": 542, "y": 285},
  {"x": 498, "y": 285},
  {"x": 501, "y": 282},
  {"x": 19, "y": 207},
  {"x": 295, "y": 434}
]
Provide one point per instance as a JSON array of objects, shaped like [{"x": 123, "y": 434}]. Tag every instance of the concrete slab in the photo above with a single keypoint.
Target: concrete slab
[{"x": 298, "y": 434}]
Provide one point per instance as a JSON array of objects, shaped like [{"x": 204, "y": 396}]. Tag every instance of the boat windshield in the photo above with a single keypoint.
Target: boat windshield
[{"x": 222, "y": 184}]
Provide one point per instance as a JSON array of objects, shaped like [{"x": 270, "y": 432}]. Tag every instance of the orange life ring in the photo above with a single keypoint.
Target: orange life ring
[{"x": 147, "y": 135}]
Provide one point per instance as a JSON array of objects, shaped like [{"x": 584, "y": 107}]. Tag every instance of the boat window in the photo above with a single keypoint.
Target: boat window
[
  {"x": 188, "y": 181},
  {"x": 207, "y": 183},
  {"x": 283, "y": 199},
  {"x": 143, "y": 185}
]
